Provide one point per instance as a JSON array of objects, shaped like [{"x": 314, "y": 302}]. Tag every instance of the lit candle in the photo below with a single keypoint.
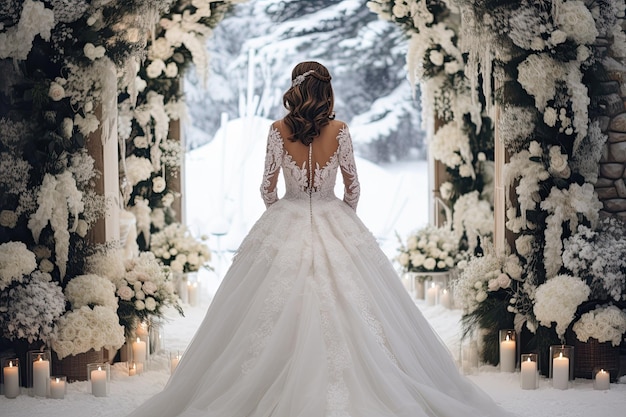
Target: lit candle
[
  {"x": 529, "y": 374},
  {"x": 57, "y": 388},
  {"x": 99, "y": 382},
  {"x": 132, "y": 370},
  {"x": 139, "y": 351},
  {"x": 192, "y": 293},
  {"x": 602, "y": 380},
  {"x": 445, "y": 299},
  {"x": 507, "y": 355},
  {"x": 431, "y": 295},
  {"x": 41, "y": 377},
  {"x": 11, "y": 380},
  {"x": 560, "y": 372},
  {"x": 174, "y": 363}
]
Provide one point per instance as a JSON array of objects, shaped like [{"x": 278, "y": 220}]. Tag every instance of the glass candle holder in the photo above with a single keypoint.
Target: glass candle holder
[
  {"x": 142, "y": 333},
  {"x": 528, "y": 372},
  {"x": 508, "y": 350},
  {"x": 432, "y": 291},
  {"x": 126, "y": 351},
  {"x": 156, "y": 336},
  {"x": 132, "y": 369},
  {"x": 11, "y": 377},
  {"x": 601, "y": 379},
  {"x": 140, "y": 348},
  {"x": 38, "y": 372},
  {"x": 174, "y": 360},
  {"x": 99, "y": 375},
  {"x": 58, "y": 387},
  {"x": 561, "y": 365}
]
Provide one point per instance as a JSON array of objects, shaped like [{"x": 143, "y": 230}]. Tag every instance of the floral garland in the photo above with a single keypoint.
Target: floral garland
[
  {"x": 539, "y": 54},
  {"x": 152, "y": 101},
  {"x": 464, "y": 140},
  {"x": 64, "y": 61}
]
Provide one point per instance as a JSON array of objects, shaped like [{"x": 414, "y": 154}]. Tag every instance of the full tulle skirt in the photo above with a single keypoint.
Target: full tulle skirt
[{"x": 311, "y": 320}]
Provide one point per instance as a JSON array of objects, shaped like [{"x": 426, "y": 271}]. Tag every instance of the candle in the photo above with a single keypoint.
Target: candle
[
  {"x": 183, "y": 292},
  {"x": 139, "y": 351},
  {"x": 192, "y": 293},
  {"x": 139, "y": 368},
  {"x": 41, "y": 377},
  {"x": 174, "y": 363},
  {"x": 602, "y": 380},
  {"x": 560, "y": 372},
  {"x": 529, "y": 374},
  {"x": 57, "y": 388},
  {"x": 99, "y": 382},
  {"x": 11, "y": 380},
  {"x": 507, "y": 355},
  {"x": 431, "y": 295},
  {"x": 133, "y": 370},
  {"x": 445, "y": 299}
]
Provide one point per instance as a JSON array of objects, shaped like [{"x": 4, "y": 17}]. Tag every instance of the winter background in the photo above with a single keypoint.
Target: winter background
[{"x": 225, "y": 134}]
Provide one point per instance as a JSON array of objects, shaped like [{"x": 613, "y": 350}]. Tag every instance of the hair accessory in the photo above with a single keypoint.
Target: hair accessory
[{"x": 300, "y": 78}]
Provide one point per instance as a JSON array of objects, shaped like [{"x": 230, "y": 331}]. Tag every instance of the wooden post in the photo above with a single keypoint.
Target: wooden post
[
  {"x": 106, "y": 162},
  {"x": 176, "y": 179},
  {"x": 437, "y": 176}
]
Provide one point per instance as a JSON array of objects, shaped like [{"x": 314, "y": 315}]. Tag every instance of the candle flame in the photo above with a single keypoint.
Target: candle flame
[
  {"x": 10, "y": 364},
  {"x": 138, "y": 340},
  {"x": 508, "y": 337},
  {"x": 134, "y": 366},
  {"x": 39, "y": 358},
  {"x": 560, "y": 354},
  {"x": 528, "y": 359},
  {"x": 58, "y": 380},
  {"x": 99, "y": 368},
  {"x": 602, "y": 371}
]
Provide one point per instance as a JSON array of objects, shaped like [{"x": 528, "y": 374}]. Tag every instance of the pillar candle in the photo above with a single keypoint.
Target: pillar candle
[
  {"x": 529, "y": 374},
  {"x": 560, "y": 372},
  {"x": 431, "y": 295},
  {"x": 602, "y": 380},
  {"x": 192, "y": 293},
  {"x": 139, "y": 351},
  {"x": 445, "y": 299},
  {"x": 11, "y": 380},
  {"x": 99, "y": 382},
  {"x": 507, "y": 355},
  {"x": 57, "y": 388},
  {"x": 174, "y": 363},
  {"x": 41, "y": 377}
]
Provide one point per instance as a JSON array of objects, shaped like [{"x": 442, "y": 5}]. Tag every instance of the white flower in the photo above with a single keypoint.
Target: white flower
[
  {"x": 93, "y": 52},
  {"x": 155, "y": 68},
  {"x": 138, "y": 169},
  {"x": 558, "y": 37},
  {"x": 430, "y": 264},
  {"x": 150, "y": 304},
  {"x": 140, "y": 305},
  {"x": 67, "y": 127},
  {"x": 56, "y": 91},
  {"x": 45, "y": 265},
  {"x": 582, "y": 53},
  {"x": 403, "y": 259},
  {"x": 87, "y": 124},
  {"x": 436, "y": 57},
  {"x": 177, "y": 266},
  {"x": 158, "y": 184},
  {"x": 557, "y": 299},
  {"x": 167, "y": 200},
  {"x": 575, "y": 19},
  {"x": 160, "y": 49},
  {"x": 15, "y": 262},
  {"x": 140, "y": 84},
  {"x": 606, "y": 324},
  {"x": 481, "y": 296},
  {"x": 558, "y": 163},
  {"x": 524, "y": 245},
  {"x": 141, "y": 142},
  {"x": 171, "y": 70},
  {"x": 90, "y": 290},
  {"x": 549, "y": 116},
  {"x": 82, "y": 227},
  {"x": 126, "y": 293},
  {"x": 8, "y": 218}
]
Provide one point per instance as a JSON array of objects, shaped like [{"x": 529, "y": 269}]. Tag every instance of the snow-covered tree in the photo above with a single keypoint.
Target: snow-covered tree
[{"x": 365, "y": 55}]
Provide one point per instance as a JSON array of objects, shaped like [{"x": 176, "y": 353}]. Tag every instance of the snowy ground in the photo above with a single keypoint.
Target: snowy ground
[
  {"x": 399, "y": 191},
  {"x": 126, "y": 393}
]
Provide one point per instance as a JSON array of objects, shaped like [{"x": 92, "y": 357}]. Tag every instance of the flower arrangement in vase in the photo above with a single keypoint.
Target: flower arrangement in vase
[{"x": 174, "y": 246}]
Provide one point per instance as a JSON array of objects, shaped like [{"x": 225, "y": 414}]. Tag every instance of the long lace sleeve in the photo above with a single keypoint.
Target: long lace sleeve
[
  {"x": 352, "y": 188},
  {"x": 273, "y": 158}
]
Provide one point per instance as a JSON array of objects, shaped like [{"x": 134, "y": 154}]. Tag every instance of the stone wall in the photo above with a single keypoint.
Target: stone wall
[{"x": 611, "y": 93}]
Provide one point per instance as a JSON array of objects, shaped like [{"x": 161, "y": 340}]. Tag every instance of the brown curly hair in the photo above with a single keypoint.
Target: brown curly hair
[{"x": 310, "y": 103}]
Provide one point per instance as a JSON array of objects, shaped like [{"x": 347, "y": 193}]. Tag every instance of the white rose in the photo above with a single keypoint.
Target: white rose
[
  {"x": 513, "y": 268},
  {"x": 582, "y": 53},
  {"x": 430, "y": 264},
  {"x": 93, "y": 52},
  {"x": 160, "y": 49},
  {"x": 466, "y": 171},
  {"x": 141, "y": 142},
  {"x": 411, "y": 243},
  {"x": 81, "y": 228},
  {"x": 417, "y": 259},
  {"x": 88, "y": 106},
  {"x": 140, "y": 305},
  {"x": 441, "y": 264},
  {"x": 558, "y": 161},
  {"x": 481, "y": 296},
  {"x": 140, "y": 84},
  {"x": 481, "y": 156},
  {"x": 535, "y": 148},
  {"x": 176, "y": 266},
  {"x": 182, "y": 258},
  {"x": 150, "y": 304},
  {"x": 140, "y": 295},
  {"x": 558, "y": 37},
  {"x": 504, "y": 281},
  {"x": 45, "y": 265},
  {"x": 452, "y": 67},
  {"x": 403, "y": 259},
  {"x": 436, "y": 57},
  {"x": 126, "y": 293},
  {"x": 524, "y": 245},
  {"x": 167, "y": 200},
  {"x": 149, "y": 287},
  {"x": 449, "y": 262},
  {"x": 537, "y": 44},
  {"x": 67, "y": 126},
  {"x": 155, "y": 68},
  {"x": 158, "y": 184},
  {"x": 8, "y": 218},
  {"x": 56, "y": 91},
  {"x": 575, "y": 19},
  {"x": 493, "y": 285},
  {"x": 171, "y": 70}
]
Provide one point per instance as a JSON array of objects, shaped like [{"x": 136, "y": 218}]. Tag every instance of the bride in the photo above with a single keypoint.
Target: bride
[{"x": 311, "y": 319}]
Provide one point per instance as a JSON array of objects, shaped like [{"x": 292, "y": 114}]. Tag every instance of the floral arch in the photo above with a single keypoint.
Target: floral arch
[{"x": 92, "y": 81}]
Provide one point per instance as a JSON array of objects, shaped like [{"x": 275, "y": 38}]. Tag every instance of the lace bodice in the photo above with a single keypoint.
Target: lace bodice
[{"x": 297, "y": 178}]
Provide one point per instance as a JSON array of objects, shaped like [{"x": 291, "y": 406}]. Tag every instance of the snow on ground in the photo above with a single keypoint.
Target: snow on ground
[{"x": 399, "y": 191}]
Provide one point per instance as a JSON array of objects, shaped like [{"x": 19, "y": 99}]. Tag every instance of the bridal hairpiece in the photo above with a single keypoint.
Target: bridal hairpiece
[{"x": 300, "y": 78}]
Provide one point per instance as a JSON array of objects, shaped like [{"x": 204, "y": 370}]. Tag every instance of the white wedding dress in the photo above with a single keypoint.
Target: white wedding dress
[{"x": 311, "y": 319}]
